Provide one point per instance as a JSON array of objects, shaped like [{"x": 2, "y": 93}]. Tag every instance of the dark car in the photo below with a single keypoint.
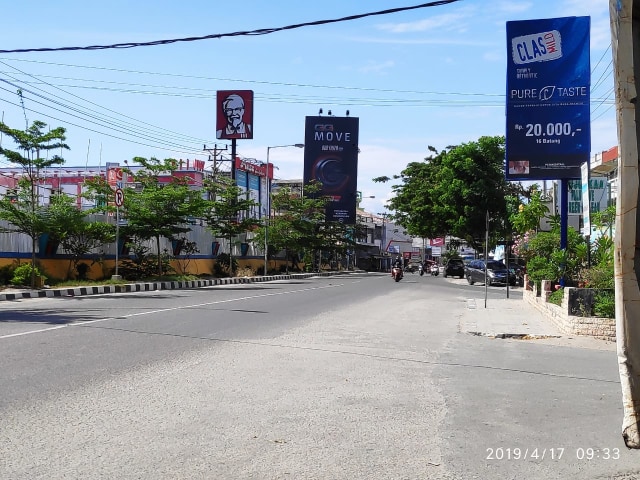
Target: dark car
[
  {"x": 496, "y": 271},
  {"x": 454, "y": 268}
]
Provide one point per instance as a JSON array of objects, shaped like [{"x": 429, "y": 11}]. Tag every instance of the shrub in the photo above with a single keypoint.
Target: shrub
[
  {"x": 599, "y": 276},
  {"x": 22, "y": 274},
  {"x": 548, "y": 262},
  {"x": 222, "y": 266},
  {"x": 605, "y": 304},
  {"x": 556, "y": 297},
  {"x": 6, "y": 273},
  {"x": 539, "y": 268}
]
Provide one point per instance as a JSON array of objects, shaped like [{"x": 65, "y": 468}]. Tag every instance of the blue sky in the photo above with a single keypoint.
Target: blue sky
[{"x": 431, "y": 76}]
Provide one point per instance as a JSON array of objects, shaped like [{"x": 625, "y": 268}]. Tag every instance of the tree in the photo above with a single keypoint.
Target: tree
[
  {"x": 69, "y": 226},
  {"x": 227, "y": 211},
  {"x": 26, "y": 214},
  {"x": 159, "y": 209},
  {"x": 298, "y": 223},
  {"x": 452, "y": 191},
  {"x": 530, "y": 213}
]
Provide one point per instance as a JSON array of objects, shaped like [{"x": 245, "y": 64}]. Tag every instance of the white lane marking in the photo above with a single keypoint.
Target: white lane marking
[
  {"x": 168, "y": 310},
  {"x": 32, "y": 331}
]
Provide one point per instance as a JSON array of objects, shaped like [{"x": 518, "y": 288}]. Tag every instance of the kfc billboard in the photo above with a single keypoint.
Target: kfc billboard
[{"x": 234, "y": 114}]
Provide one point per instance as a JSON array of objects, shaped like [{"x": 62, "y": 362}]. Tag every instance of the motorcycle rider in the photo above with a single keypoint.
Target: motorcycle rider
[{"x": 397, "y": 263}]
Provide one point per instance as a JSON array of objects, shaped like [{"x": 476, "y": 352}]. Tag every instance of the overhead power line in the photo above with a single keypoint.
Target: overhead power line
[{"x": 261, "y": 31}]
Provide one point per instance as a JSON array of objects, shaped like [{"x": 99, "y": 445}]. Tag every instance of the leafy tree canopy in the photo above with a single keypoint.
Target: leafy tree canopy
[{"x": 452, "y": 191}]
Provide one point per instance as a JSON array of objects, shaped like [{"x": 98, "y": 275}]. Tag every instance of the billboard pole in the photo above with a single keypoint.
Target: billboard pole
[
  {"x": 233, "y": 160},
  {"x": 564, "y": 221}
]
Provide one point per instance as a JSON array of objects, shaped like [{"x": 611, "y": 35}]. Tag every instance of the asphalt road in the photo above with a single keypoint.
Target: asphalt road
[{"x": 350, "y": 377}]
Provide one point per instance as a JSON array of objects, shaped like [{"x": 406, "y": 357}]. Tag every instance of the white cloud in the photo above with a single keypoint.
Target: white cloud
[
  {"x": 376, "y": 67},
  {"x": 435, "y": 23}
]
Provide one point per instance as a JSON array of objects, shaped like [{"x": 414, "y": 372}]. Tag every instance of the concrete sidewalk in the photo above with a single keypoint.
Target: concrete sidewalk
[
  {"x": 513, "y": 318},
  {"x": 505, "y": 318}
]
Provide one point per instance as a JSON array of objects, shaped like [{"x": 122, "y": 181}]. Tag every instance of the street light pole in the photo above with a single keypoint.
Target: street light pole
[
  {"x": 268, "y": 201},
  {"x": 383, "y": 239}
]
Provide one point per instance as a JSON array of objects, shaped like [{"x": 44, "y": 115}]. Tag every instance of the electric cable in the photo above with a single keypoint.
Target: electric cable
[{"x": 261, "y": 31}]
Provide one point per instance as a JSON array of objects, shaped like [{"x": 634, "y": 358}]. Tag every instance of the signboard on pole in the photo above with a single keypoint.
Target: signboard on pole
[
  {"x": 331, "y": 159},
  {"x": 548, "y": 132},
  {"x": 234, "y": 114}
]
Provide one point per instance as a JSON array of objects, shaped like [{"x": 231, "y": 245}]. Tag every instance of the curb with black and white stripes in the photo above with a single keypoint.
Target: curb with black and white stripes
[{"x": 152, "y": 286}]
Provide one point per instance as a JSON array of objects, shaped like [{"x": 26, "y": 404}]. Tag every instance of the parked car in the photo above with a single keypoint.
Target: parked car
[
  {"x": 454, "y": 268},
  {"x": 497, "y": 272}
]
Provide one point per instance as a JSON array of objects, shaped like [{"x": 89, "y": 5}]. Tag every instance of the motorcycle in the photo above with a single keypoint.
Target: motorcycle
[
  {"x": 420, "y": 270},
  {"x": 434, "y": 270},
  {"x": 396, "y": 273}
]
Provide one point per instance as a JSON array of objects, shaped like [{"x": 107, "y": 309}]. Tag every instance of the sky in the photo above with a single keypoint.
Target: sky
[{"x": 424, "y": 77}]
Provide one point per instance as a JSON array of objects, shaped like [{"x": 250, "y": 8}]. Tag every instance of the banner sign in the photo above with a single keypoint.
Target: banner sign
[
  {"x": 234, "y": 114},
  {"x": 331, "y": 158},
  {"x": 548, "y": 134},
  {"x": 598, "y": 196},
  {"x": 259, "y": 169},
  {"x": 436, "y": 242}
]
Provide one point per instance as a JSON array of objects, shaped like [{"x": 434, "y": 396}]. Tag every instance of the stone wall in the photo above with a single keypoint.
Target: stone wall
[{"x": 596, "y": 327}]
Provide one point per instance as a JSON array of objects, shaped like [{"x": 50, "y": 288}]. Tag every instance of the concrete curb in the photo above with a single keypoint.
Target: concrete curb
[{"x": 152, "y": 286}]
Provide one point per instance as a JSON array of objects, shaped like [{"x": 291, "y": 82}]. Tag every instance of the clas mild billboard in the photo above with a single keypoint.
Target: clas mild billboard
[
  {"x": 331, "y": 158},
  {"x": 548, "y": 91}
]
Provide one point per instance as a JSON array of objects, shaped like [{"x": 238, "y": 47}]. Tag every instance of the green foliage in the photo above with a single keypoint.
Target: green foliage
[
  {"x": 23, "y": 273},
  {"x": 25, "y": 214},
  {"x": 6, "y": 273},
  {"x": 605, "y": 304},
  {"x": 223, "y": 264},
  {"x": 68, "y": 225},
  {"x": 600, "y": 275},
  {"x": 160, "y": 209},
  {"x": 299, "y": 224},
  {"x": 529, "y": 214},
  {"x": 451, "y": 192},
  {"x": 142, "y": 264},
  {"x": 449, "y": 254},
  {"x": 81, "y": 270},
  {"x": 602, "y": 251},
  {"x": 228, "y": 212},
  {"x": 187, "y": 249},
  {"x": 547, "y": 262},
  {"x": 556, "y": 297},
  {"x": 539, "y": 268}
]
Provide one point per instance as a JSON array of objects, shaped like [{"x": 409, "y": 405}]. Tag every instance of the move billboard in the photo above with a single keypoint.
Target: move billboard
[
  {"x": 548, "y": 134},
  {"x": 331, "y": 158}
]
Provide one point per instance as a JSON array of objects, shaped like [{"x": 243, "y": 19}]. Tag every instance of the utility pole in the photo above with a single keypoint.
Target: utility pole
[
  {"x": 625, "y": 41},
  {"x": 215, "y": 151}
]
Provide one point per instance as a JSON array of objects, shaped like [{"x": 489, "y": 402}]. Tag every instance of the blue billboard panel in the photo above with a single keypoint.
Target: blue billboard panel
[{"x": 548, "y": 131}]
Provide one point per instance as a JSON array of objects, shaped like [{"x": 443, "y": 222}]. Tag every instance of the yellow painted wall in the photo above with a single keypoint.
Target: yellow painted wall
[{"x": 58, "y": 268}]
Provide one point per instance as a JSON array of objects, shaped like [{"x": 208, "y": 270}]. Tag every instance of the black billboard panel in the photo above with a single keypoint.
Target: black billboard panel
[{"x": 331, "y": 158}]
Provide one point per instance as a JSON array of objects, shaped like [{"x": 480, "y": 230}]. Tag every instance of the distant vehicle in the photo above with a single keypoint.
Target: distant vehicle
[
  {"x": 454, "y": 268},
  {"x": 497, "y": 273},
  {"x": 518, "y": 267},
  {"x": 396, "y": 273}
]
